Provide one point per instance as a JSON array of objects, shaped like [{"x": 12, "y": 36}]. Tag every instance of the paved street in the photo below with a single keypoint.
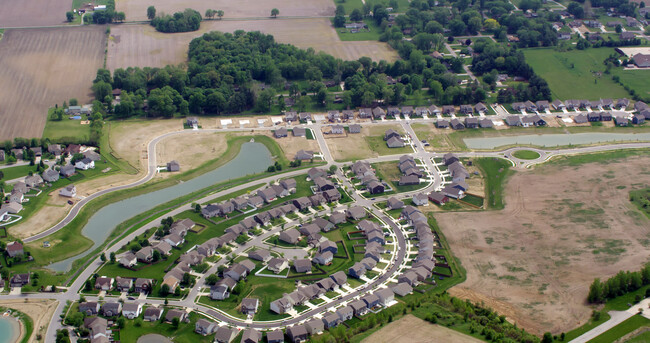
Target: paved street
[{"x": 419, "y": 153}]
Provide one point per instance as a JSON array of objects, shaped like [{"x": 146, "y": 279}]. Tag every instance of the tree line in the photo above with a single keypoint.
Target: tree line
[{"x": 620, "y": 284}]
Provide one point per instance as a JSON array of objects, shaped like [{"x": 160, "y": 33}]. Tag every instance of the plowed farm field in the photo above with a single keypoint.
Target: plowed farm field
[
  {"x": 142, "y": 46},
  {"x": 31, "y": 13},
  {"x": 137, "y": 9},
  {"x": 42, "y": 67}
]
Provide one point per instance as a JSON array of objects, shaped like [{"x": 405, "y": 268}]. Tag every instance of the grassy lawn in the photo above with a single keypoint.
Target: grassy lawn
[
  {"x": 16, "y": 172},
  {"x": 571, "y": 74},
  {"x": 622, "y": 329},
  {"x": 526, "y": 154},
  {"x": 642, "y": 338},
  {"x": 495, "y": 171},
  {"x": 636, "y": 80},
  {"x": 66, "y": 129},
  {"x": 372, "y": 34},
  {"x": 185, "y": 332},
  {"x": 474, "y": 200},
  {"x": 378, "y": 144}
]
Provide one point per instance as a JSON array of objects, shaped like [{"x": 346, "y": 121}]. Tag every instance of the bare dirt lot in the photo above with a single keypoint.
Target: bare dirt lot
[
  {"x": 562, "y": 227},
  {"x": 39, "y": 310},
  {"x": 30, "y": 13},
  {"x": 411, "y": 329},
  {"x": 42, "y": 67},
  {"x": 191, "y": 149},
  {"x": 142, "y": 46},
  {"x": 355, "y": 146},
  {"x": 137, "y": 9}
]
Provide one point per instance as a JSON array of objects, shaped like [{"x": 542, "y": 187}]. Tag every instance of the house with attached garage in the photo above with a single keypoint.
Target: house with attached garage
[
  {"x": 456, "y": 124},
  {"x": 395, "y": 142},
  {"x": 290, "y": 236},
  {"x": 513, "y": 121},
  {"x": 89, "y": 308},
  {"x": 420, "y": 199},
  {"x": 480, "y": 108},
  {"x": 225, "y": 334},
  {"x": 85, "y": 164},
  {"x": 51, "y": 175},
  {"x": 442, "y": 124},
  {"x": 323, "y": 258},
  {"x": 337, "y": 129},
  {"x": 355, "y": 128},
  {"x": 131, "y": 310},
  {"x": 298, "y": 333},
  {"x": 331, "y": 320},
  {"x": 471, "y": 123},
  {"x": 304, "y": 155},
  {"x": 153, "y": 314},
  {"x": 249, "y": 306},
  {"x": 281, "y": 133},
  {"x": 485, "y": 123},
  {"x": 251, "y": 336},
  {"x": 275, "y": 336},
  {"x": 205, "y": 327}
]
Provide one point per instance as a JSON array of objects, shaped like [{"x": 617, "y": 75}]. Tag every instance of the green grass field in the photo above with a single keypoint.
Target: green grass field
[
  {"x": 636, "y": 80},
  {"x": 622, "y": 329},
  {"x": 65, "y": 129},
  {"x": 495, "y": 171},
  {"x": 373, "y": 32},
  {"x": 571, "y": 74},
  {"x": 526, "y": 154}
]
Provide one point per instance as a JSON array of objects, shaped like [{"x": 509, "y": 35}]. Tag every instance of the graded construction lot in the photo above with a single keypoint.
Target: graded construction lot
[
  {"x": 411, "y": 329},
  {"x": 39, "y": 310},
  {"x": 137, "y": 9},
  {"x": 142, "y": 46},
  {"x": 367, "y": 144},
  {"x": 31, "y": 13},
  {"x": 566, "y": 225},
  {"x": 42, "y": 67}
]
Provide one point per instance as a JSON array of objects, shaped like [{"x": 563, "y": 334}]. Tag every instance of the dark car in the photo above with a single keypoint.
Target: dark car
[{"x": 70, "y": 202}]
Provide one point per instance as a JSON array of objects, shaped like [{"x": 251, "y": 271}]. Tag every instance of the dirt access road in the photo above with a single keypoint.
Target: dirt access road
[
  {"x": 43, "y": 67},
  {"x": 564, "y": 226}
]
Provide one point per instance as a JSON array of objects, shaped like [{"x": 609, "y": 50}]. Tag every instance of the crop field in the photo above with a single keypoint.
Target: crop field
[
  {"x": 141, "y": 45},
  {"x": 30, "y": 13},
  {"x": 137, "y": 9},
  {"x": 42, "y": 67},
  {"x": 575, "y": 74},
  {"x": 568, "y": 224}
]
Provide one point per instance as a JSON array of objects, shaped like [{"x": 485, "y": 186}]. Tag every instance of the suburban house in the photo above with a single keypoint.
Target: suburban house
[
  {"x": 297, "y": 333},
  {"x": 251, "y": 336},
  {"x": 355, "y": 128},
  {"x": 356, "y": 212},
  {"x": 277, "y": 265},
  {"x": 438, "y": 198},
  {"x": 89, "y": 308},
  {"x": 280, "y": 133},
  {"x": 304, "y": 155},
  {"x": 131, "y": 310},
  {"x": 111, "y": 309},
  {"x": 175, "y": 313},
  {"x": 394, "y": 203},
  {"x": 204, "y": 327},
  {"x": 128, "y": 259},
  {"x": 85, "y": 164},
  {"x": 314, "y": 326},
  {"x": 337, "y": 129},
  {"x": 331, "y": 320},
  {"x": 302, "y": 265},
  {"x": 14, "y": 249},
  {"x": 420, "y": 199},
  {"x": 152, "y": 314},
  {"x": 290, "y": 236},
  {"x": 69, "y": 191},
  {"x": 104, "y": 283},
  {"x": 67, "y": 171},
  {"x": 275, "y": 336},
  {"x": 19, "y": 280},
  {"x": 249, "y": 306},
  {"x": 51, "y": 175},
  {"x": 225, "y": 334},
  {"x": 442, "y": 124}
]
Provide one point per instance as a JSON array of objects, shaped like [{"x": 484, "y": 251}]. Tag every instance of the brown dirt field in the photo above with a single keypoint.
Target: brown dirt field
[
  {"x": 129, "y": 139},
  {"x": 354, "y": 146},
  {"x": 27, "y": 13},
  {"x": 137, "y": 9},
  {"x": 142, "y": 46},
  {"x": 39, "y": 310},
  {"x": 437, "y": 138},
  {"x": 411, "y": 329},
  {"x": 54, "y": 210},
  {"x": 191, "y": 149},
  {"x": 565, "y": 226},
  {"x": 42, "y": 67}
]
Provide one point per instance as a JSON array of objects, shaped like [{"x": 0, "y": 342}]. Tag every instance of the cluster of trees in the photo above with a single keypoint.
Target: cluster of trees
[
  {"x": 494, "y": 58},
  {"x": 210, "y": 13},
  {"x": 188, "y": 20},
  {"x": 339, "y": 16},
  {"x": 620, "y": 284},
  {"x": 622, "y": 6},
  {"x": 107, "y": 16}
]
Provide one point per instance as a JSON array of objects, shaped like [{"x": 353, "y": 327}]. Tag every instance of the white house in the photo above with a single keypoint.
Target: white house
[
  {"x": 131, "y": 310},
  {"x": 85, "y": 164},
  {"x": 69, "y": 191}
]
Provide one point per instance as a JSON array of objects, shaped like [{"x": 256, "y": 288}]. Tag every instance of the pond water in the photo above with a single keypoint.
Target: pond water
[
  {"x": 253, "y": 158},
  {"x": 552, "y": 140},
  {"x": 9, "y": 330}
]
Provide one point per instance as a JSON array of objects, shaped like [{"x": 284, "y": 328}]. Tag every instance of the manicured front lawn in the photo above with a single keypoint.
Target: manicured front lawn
[
  {"x": 473, "y": 199},
  {"x": 66, "y": 129},
  {"x": 16, "y": 172},
  {"x": 526, "y": 154}
]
